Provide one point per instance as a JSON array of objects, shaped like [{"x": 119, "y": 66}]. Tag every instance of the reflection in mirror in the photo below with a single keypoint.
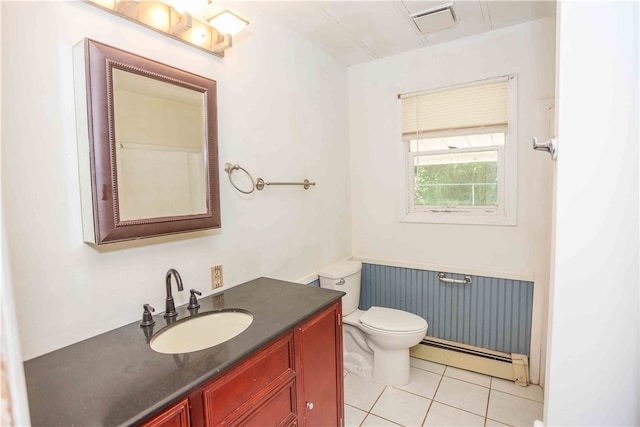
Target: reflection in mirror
[
  {"x": 147, "y": 146},
  {"x": 160, "y": 143}
]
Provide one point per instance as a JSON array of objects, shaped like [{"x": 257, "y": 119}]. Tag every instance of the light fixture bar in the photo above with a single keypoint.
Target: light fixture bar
[
  {"x": 184, "y": 24},
  {"x": 165, "y": 19},
  {"x": 131, "y": 8}
]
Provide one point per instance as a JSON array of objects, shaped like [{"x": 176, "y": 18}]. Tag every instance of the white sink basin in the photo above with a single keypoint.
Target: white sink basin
[{"x": 200, "y": 332}]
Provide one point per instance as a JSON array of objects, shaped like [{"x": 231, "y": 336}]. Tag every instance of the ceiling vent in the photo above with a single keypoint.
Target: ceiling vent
[{"x": 435, "y": 19}]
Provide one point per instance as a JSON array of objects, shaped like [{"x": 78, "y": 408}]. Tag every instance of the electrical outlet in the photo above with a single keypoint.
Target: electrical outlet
[{"x": 216, "y": 276}]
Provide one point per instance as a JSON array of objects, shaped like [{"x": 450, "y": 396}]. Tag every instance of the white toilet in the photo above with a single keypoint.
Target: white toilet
[{"x": 376, "y": 341}]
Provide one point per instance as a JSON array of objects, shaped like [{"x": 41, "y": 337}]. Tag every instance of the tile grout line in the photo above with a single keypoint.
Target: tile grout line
[
  {"x": 486, "y": 410},
  {"x": 495, "y": 389},
  {"x": 519, "y": 397},
  {"x": 501, "y": 422},
  {"x": 374, "y": 404},
  {"x": 460, "y": 409},
  {"x": 433, "y": 398},
  {"x": 466, "y": 381},
  {"x": 490, "y": 387},
  {"x": 383, "y": 418}
]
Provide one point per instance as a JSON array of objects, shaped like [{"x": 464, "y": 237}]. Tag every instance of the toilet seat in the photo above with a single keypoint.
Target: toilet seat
[{"x": 392, "y": 320}]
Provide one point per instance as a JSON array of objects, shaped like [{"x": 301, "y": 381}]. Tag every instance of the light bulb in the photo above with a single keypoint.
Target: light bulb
[
  {"x": 157, "y": 16},
  {"x": 227, "y": 22}
]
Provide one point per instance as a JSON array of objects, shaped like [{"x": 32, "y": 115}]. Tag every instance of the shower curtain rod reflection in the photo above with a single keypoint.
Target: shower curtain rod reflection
[{"x": 259, "y": 183}]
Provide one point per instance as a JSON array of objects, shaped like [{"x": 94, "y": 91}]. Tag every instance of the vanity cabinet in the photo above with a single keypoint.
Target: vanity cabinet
[{"x": 296, "y": 380}]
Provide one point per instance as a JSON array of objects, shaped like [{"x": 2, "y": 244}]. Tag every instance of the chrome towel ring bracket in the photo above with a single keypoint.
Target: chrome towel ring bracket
[
  {"x": 260, "y": 183},
  {"x": 229, "y": 169}
]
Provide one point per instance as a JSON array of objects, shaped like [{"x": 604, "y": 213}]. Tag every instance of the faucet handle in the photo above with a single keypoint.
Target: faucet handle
[
  {"x": 147, "y": 317},
  {"x": 193, "y": 301}
]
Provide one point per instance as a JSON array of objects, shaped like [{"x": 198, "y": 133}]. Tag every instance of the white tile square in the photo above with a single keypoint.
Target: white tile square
[
  {"x": 463, "y": 395},
  {"x": 468, "y": 376},
  {"x": 513, "y": 410},
  {"x": 494, "y": 423},
  {"x": 353, "y": 417},
  {"x": 361, "y": 392},
  {"x": 401, "y": 407},
  {"x": 374, "y": 421},
  {"x": 427, "y": 365},
  {"x": 532, "y": 391},
  {"x": 422, "y": 383},
  {"x": 443, "y": 415}
]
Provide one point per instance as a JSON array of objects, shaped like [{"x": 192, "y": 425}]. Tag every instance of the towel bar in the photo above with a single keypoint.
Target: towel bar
[
  {"x": 260, "y": 183},
  {"x": 466, "y": 281}
]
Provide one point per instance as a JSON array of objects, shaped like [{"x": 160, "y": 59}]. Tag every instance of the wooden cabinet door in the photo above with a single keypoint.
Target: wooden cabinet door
[
  {"x": 319, "y": 364},
  {"x": 175, "y": 416}
]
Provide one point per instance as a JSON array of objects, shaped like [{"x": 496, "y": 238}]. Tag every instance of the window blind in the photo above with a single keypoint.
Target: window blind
[{"x": 481, "y": 106}]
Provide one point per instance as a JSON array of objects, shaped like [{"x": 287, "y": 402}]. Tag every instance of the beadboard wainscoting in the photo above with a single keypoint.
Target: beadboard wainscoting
[
  {"x": 315, "y": 283},
  {"x": 490, "y": 313}
]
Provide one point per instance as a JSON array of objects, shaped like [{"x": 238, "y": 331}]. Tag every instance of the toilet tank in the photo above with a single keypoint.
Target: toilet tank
[{"x": 343, "y": 276}]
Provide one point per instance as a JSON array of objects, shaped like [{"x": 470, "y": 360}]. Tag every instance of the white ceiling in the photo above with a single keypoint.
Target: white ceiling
[{"x": 359, "y": 31}]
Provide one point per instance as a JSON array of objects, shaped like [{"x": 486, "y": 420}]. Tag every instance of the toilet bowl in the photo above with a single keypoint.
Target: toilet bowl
[{"x": 377, "y": 340}]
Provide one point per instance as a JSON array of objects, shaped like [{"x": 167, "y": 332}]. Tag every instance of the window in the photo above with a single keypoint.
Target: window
[{"x": 461, "y": 153}]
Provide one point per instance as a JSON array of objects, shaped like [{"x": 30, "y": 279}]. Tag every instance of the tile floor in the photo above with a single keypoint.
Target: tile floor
[{"x": 440, "y": 395}]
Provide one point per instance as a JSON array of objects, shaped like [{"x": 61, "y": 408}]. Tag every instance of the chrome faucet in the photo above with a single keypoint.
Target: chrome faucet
[{"x": 170, "y": 308}]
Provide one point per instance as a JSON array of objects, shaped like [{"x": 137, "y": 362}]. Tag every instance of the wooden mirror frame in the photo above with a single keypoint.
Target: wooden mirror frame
[{"x": 94, "y": 63}]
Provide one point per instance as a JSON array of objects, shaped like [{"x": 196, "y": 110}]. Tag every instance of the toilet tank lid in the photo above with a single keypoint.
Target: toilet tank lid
[
  {"x": 340, "y": 269},
  {"x": 390, "y": 319}
]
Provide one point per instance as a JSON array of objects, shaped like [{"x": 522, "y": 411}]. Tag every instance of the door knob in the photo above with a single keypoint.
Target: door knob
[{"x": 309, "y": 405}]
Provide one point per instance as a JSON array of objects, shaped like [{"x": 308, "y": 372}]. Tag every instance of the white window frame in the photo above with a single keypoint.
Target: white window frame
[{"x": 505, "y": 213}]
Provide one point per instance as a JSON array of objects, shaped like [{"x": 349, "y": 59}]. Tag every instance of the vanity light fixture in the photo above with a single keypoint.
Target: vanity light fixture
[
  {"x": 229, "y": 24},
  {"x": 179, "y": 19}
]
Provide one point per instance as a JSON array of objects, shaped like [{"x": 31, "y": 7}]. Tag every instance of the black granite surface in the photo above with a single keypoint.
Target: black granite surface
[{"x": 116, "y": 379}]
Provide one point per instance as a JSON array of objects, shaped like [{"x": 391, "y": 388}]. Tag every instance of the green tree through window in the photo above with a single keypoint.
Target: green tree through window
[{"x": 456, "y": 184}]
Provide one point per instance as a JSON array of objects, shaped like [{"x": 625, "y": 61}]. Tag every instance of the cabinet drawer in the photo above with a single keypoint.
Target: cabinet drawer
[
  {"x": 175, "y": 416},
  {"x": 278, "y": 409},
  {"x": 235, "y": 390}
]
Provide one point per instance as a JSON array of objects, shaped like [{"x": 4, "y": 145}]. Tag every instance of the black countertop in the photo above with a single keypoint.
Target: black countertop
[{"x": 116, "y": 379}]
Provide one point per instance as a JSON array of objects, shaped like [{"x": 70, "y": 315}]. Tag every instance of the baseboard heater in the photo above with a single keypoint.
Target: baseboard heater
[{"x": 513, "y": 367}]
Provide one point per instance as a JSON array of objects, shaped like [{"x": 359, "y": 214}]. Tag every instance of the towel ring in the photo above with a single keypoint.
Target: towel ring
[{"x": 229, "y": 168}]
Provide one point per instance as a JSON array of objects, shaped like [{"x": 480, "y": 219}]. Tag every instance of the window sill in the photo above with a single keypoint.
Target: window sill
[{"x": 471, "y": 218}]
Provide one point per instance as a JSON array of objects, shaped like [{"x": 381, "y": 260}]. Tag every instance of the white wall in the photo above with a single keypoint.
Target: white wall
[
  {"x": 14, "y": 408},
  {"x": 592, "y": 366},
  {"x": 276, "y": 94},
  {"x": 377, "y": 161}
]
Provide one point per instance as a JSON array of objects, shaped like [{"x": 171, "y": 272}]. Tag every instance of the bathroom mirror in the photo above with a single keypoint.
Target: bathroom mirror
[{"x": 147, "y": 144}]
